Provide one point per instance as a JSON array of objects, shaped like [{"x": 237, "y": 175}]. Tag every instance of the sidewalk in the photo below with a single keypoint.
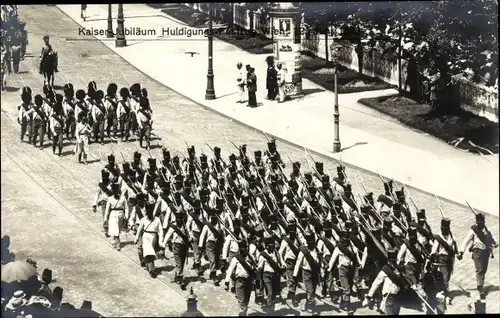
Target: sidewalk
[{"x": 370, "y": 140}]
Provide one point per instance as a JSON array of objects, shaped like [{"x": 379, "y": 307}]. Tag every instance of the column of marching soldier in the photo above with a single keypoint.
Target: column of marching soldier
[
  {"x": 255, "y": 224},
  {"x": 85, "y": 116},
  {"x": 251, "y": 220}
]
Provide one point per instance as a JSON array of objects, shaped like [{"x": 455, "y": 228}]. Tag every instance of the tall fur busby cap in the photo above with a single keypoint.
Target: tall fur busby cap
[
  {"x": 421, "y": 215},
  {"x": 80, "y": 94},
  {"x": 112, "y": 89},
  {"x": 26, "y": 98},
  {"x": 59, "y": 98},
  {"x": 99, "y": 94},
  {"x": 271, "y": 145},
  {"x": 92, "y": 86},
  {"x": 144, "y": 93},
  {"x": 124, "y": 92},
  {"x": 135, "y": 89},
  {"x": 26, "y": 90},
  {"x": 69, "y": 90},
  {"x": 38, "y": 100}
]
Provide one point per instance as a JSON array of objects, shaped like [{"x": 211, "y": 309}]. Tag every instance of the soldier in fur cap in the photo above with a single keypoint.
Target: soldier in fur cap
[
  {"x": 89, "y": 100},
  {"x": 25, "y": 121},
  {"x": 144, "y": 121},
  {"x": 99, "y": 116},
  {"x": 111, "y": 106},
  {"x": 80, "y": 104},
  {"x": 57, "y": 125},
  {"x": 124, "y": 113},
  {"x": 37, "y": 114},
  {"x": 69, "y": 105}
]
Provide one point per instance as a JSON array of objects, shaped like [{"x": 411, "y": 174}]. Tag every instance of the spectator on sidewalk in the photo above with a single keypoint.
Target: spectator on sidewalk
[
  {"x": 240, "y": 82},
  {"x": 271, "y": 79},
  {"x": 281, "y": 82},
  {"x": 252, "y": 88}
]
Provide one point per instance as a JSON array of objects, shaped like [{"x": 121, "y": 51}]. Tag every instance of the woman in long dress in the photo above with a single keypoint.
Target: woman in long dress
[
  {"x": 149, "y": 233},
  {"x": 115, "y": 215}
]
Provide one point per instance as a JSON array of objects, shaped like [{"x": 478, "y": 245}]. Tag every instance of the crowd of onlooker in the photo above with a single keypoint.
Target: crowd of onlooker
[
  {"x": 14, "y": 40},
  {"x": 33, "y": 297}
]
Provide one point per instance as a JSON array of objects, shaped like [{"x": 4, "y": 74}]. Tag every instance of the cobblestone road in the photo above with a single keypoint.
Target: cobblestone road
[{"x": 177, "y": 120}]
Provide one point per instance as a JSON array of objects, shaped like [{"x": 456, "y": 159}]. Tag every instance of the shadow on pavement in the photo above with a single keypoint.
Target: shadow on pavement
[
  {"x": 309, "y": 91},
  {"x": 356, "y": 144}
]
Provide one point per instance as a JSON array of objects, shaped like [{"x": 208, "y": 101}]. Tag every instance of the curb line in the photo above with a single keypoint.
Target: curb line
[{"x": 291, "y": 143}]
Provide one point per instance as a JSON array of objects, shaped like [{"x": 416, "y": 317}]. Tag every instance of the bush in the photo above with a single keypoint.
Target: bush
[
  {"x": 349, "y": 81},
  {"x": 449, "y": 128}
]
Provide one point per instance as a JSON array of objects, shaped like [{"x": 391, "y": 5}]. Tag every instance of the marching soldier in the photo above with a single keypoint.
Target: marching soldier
[
  {"x": 211, "y": 236},
  {"x": 242, "y": 267},
  {"x": 445, "y": 249},
  {"x": 81, "y": 104},
  {"x": 326, "y": 245},
  {"x": 98, "y": 116},
  {"x": 25, "y": 121},
  {"x": 309, "y": 261},
  {"x": 270, "y": 268},
  {"x": 39, "y": 119},
  {"x": 111, "y": 106},
  {"x": 177, "y": 236},
  {"x": 434, "y": 286},
  {"x": 115, "y": 214},
  {"x": 69, "y": 108},
  {"x": 89, "y": 102},
  {"x": 124, "y": 113},
  {"x": 135, "y": 98},
  {"x": 101, "y": 197},
  {"x": 194, "y": 226},
  {"x": 83, "y": 132},
  {"x": 57, "y": 125},
  {"x": 483, "y": 243},
  {"x": 112, "y": 166},
  {"x": 48, "y": 108},
  {"x": 391, "y": 280},
  {"x": 289, "y": 249},
  {"x": 231, "y": 247},
  {"x": 149, "y": 234},
  {"x": 348, "y": 259},
  {"x": 410, "y": 257},
  {"x": 144, "y": 122}
]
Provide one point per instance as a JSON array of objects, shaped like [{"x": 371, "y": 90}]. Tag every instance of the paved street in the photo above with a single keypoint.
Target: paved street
[
  {"x": 62, "y": 232},
  {"x": 412, "y": 157}
]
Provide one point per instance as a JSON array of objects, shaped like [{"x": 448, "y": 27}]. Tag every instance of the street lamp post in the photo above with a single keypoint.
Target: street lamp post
[
  {"x": 210, "y": 91},
  {"x": 109, "y": 33},
  {"x": 120, "y": 29},
  {"x": 336, "y": 115}
]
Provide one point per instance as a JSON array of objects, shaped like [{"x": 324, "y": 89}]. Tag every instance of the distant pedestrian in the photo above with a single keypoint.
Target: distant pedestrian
[
  {"x": 252, "y": 88},
  {"x": 4, "y": 60},
  {"x": 240, "y": 82},
  {"x": 281, "y": 82},
  {"x": 84, "y": 12}
]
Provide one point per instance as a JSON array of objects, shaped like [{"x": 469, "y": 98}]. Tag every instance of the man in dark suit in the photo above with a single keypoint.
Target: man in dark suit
[
  {"x": 252, "y": 88},
  {"x": 271, "y": 79}
]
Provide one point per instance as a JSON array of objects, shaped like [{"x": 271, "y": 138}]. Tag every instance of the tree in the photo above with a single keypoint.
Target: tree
[{"x": 457, "y": 38}]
